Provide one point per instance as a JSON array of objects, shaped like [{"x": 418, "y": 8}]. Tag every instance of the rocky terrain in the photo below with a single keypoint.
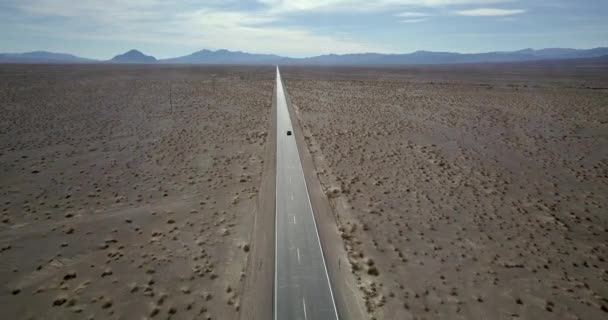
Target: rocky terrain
[
  {"x": 471, "y": 192},
  {"x": 128, "y": 191}
]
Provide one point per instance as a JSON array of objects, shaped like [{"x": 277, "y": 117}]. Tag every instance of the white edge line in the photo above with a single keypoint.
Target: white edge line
[
  {"x": 313, "y": 215},
  {"x": 276, "y": 181}
]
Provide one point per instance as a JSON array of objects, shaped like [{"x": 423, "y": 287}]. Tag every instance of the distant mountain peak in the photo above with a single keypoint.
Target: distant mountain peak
[{"x": 133, "y": 56}]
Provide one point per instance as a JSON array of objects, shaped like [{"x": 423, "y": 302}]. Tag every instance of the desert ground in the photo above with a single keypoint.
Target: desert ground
[
  {"x": 465, "y": 192},
  {"x": 458, "y": 192},
  {"x": 128, "y": 192}
]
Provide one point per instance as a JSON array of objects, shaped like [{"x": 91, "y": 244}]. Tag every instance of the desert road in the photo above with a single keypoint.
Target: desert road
[{"x": 301, "y": 288}]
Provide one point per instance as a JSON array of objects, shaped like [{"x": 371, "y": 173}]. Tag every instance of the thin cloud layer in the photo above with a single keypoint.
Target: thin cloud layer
[
  {"x": 489, "y": 12},
  {"x": 412, "y": 20},
  {"x": 410, "y": 14},
  {"x": 365, "y": 5}
]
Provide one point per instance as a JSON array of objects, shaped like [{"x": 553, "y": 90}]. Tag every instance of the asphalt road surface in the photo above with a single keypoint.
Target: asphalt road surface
[{"x": 301, "y": 288}]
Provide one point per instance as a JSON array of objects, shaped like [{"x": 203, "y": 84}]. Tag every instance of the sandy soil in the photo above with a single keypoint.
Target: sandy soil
[
  {"x": 465, "y": 192},
  {"x": 117, "y": 205}
]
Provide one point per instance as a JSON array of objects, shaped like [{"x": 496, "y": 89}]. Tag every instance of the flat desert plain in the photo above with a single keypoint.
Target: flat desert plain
[
  {"x": 459, "y": 192},
  {"x": 465, "y": 192},
  {"x": 128, "y": 191}
]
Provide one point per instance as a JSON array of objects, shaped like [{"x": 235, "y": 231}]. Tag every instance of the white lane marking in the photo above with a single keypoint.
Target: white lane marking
[
  {"x": 291, "y": 196},
  {"x": 304, "y": 305},
  {"x": 289, "y": 179},
  {"x": 298, "y": 255},
  {"x": 294, "y": 219},
  {"x": 276, "y": 218}
]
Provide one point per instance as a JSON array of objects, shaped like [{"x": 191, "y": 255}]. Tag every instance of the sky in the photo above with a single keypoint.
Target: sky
[{"x": 101, "y": 29}]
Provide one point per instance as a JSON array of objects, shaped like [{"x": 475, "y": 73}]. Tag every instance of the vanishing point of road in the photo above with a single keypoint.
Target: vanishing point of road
[{"x": 301, "y": 286}]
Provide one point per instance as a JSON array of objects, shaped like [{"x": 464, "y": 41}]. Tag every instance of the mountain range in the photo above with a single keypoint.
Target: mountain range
[
  {"x": 374, "y": 59},
  {"x": 42, "y": 57}
]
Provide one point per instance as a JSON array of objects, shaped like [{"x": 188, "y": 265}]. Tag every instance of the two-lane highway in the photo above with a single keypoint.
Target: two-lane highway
[{"x": 302, "y": 289}]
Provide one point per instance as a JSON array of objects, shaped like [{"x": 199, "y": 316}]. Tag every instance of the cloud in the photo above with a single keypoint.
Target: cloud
[
  {"x": 184, "y": 23},
  {"x": 251, "y": 32},
  {"x": 489, "y": 12},
  {"x": 291, "y": 6},
  {"x": 261, "y": 26},
  {"x": 411, "y": 14},
  {"x": 412, "y": 20}
]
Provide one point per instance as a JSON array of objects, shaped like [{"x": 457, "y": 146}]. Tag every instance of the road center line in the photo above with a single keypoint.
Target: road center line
[
  {"x": 298, "y": 249},
  {"x": 304, "y": 305}
]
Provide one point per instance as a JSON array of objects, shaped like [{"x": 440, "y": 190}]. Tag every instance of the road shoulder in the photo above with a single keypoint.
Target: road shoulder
[{"x": 258, "y": 295}]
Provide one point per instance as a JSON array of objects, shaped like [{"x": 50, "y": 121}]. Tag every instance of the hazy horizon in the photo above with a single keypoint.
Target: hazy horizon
[
  {"x": 301, "y": 28},
  {"x": 271, "y": 53}
]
